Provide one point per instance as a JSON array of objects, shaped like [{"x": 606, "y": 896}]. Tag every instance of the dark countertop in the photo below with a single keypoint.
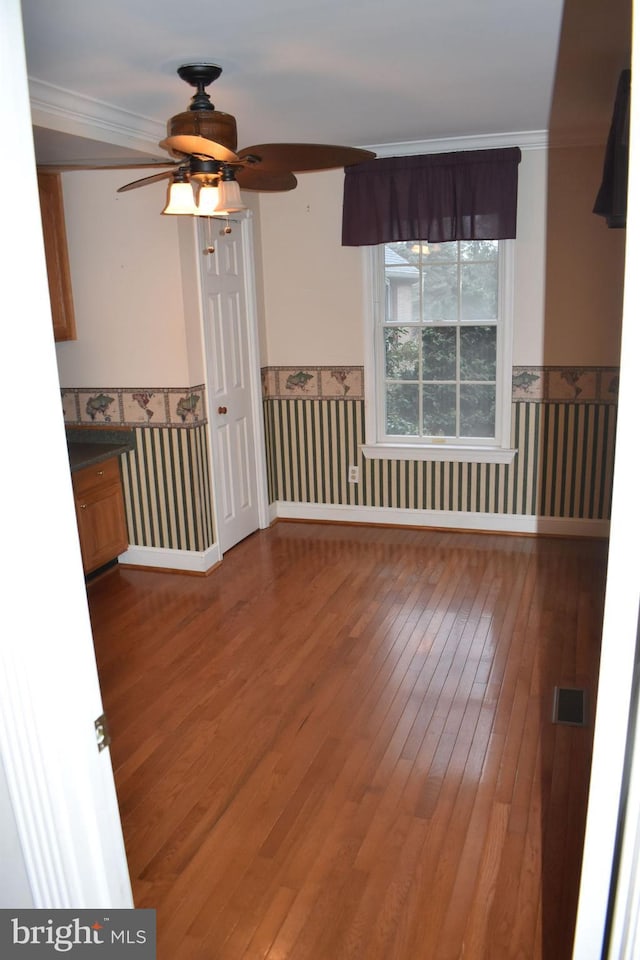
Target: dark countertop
[{"x": 88, "y": 446}]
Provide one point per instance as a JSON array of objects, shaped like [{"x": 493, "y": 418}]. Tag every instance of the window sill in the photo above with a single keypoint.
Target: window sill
[{"x": 438, "y": 452}]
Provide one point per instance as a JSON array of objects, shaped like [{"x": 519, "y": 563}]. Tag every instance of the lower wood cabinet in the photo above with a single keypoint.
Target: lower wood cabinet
[{"x": 100, "y": 513}]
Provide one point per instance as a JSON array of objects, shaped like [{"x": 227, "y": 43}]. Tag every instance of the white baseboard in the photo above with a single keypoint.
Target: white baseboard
[
  {"x": 444, "y": 519},
  {"x": 191, "y": 561}
]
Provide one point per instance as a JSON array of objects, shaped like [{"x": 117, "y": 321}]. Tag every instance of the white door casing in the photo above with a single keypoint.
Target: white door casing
[{"x": 233, "y": 384}]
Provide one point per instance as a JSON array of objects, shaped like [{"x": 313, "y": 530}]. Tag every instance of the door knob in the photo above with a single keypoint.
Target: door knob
[{"x": 222, "y": 409}]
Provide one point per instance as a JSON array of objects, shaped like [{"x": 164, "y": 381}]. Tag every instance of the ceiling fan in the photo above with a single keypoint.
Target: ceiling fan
[{"x": 203, "y": 142}]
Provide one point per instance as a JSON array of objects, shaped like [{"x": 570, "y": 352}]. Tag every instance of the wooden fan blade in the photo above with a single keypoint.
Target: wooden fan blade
[
  {"x": 301, "y": 157},
  {"x": 199, "y": 147},
  {"x": 255, "y": 178},
  {"x": 105, "y": 165},
  {"x": 165, "y": 175}
]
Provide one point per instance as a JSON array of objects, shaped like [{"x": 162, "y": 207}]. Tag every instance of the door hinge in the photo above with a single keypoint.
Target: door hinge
[{"x": 103, "y": 736}]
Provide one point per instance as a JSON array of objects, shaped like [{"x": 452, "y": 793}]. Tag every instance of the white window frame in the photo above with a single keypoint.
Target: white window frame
[{"x": 412, "y": 448}]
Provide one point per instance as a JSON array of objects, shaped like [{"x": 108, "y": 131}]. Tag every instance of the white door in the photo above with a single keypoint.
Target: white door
[
  {"x": 233, "y": 377},
  {"x": 61, "y": 816}
]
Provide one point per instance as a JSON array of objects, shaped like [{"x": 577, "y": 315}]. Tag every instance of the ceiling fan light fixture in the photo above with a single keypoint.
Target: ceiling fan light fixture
[
  {"x": 208, "y": 200},
  {"x": 230, "y": 200},
  {"x": 181, "y": 199}
]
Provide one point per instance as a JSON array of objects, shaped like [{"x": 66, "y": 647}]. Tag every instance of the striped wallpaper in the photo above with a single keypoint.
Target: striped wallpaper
[
  {"x": 167, "y": 488},
  {"x": 563, "y": 468}
]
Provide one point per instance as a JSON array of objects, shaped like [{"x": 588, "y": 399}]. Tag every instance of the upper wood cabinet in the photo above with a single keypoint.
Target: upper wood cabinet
[{"x": 55, "y": 245}]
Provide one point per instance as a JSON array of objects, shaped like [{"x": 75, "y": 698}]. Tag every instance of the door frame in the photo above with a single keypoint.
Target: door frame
[{"x": 244, "y": 223}]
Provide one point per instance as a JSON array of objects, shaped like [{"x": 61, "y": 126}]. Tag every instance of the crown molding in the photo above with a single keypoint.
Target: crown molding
[
  {"x": 64, "y": 110},
  {"x": 525, "y": 139},
  {"x": 58, "y": 109}
]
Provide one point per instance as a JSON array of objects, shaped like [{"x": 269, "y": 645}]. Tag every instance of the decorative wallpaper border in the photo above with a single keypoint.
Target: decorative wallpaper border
[
  {"x": 186, "y": 406},
  {"x": 573, "y": 384},
  {"x": 313, "y": 383},
  {"x": 544, "y": 383},
  {"x": 135, "y": 406}
]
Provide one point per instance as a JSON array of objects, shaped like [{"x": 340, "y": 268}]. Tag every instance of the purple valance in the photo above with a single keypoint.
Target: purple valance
[
  {"x": 611, "y": 202},
  {"x": 466, "y": 195}
]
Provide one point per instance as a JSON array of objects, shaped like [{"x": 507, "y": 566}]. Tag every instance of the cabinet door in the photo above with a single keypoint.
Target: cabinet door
[
  {"x": 55, "y": 247},
  {"x": 101, "y": 524}
]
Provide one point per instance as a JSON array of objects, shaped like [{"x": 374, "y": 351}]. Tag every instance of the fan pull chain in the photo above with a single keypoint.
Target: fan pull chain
[{"x": 209, "y": 245}]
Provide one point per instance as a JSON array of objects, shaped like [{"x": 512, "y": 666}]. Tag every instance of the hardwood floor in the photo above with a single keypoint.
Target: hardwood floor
[{"x": 339, "y": 746}]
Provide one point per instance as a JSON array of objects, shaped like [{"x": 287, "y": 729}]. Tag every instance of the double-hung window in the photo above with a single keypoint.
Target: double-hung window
[
  {"x": 438, "y": 370},
  {"x": 439, "y": 232}
]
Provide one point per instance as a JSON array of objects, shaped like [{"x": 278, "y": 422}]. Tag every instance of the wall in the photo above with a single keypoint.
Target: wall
[
  {"x": 313, "y": 293},
  {"x": 585, "y": 264},
  {"x": 127, "y": 285},
  {"x": 138, "y": 360},
  {"x": 140, "y": 343},
  {"x": 564, "y": 366},
  {"x": 314, "y": 287}
]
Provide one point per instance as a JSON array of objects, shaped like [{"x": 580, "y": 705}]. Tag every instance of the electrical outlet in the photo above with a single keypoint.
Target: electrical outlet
[{"x": 354, "y": 474}]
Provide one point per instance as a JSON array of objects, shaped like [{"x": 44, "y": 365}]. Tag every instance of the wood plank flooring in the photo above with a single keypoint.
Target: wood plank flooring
[{"x": 339, "y": 745}]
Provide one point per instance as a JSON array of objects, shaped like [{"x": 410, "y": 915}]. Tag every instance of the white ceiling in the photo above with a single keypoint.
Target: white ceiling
[{"x": 355, "y": 72}]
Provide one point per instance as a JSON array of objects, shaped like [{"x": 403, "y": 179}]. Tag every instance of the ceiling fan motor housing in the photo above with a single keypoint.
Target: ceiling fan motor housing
[
  {"x": 210, "y": 124},
  {"x": 202, "y": 119}
]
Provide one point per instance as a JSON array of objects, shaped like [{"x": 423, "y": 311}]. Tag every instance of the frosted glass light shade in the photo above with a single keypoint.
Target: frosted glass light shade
[
  {"x": 229, "y": 197},
  {"x": 208, "y": 200},
  {"x": 181, "y": 199}
]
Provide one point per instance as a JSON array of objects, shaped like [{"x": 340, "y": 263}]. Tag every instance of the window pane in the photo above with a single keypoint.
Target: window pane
[
  {"x": 479, "y": 291},
  {"x": 477, "y": 410},
  {"x": 439, "y": 353},
  {"x": 401, "y": 353},
  {"x": 437, "y": 252},
  {"x": 440, "y": 292},
  {"x": 439, "y": 410},
  {"x": 401, "y": 414},
  {"x": 477, "y": 353},
  {"x": 478, "y": 249},
  {"x": 407, "y": 250},
  {"x": 402, "y": 283},
  {"x": 440, "y": 337}
]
